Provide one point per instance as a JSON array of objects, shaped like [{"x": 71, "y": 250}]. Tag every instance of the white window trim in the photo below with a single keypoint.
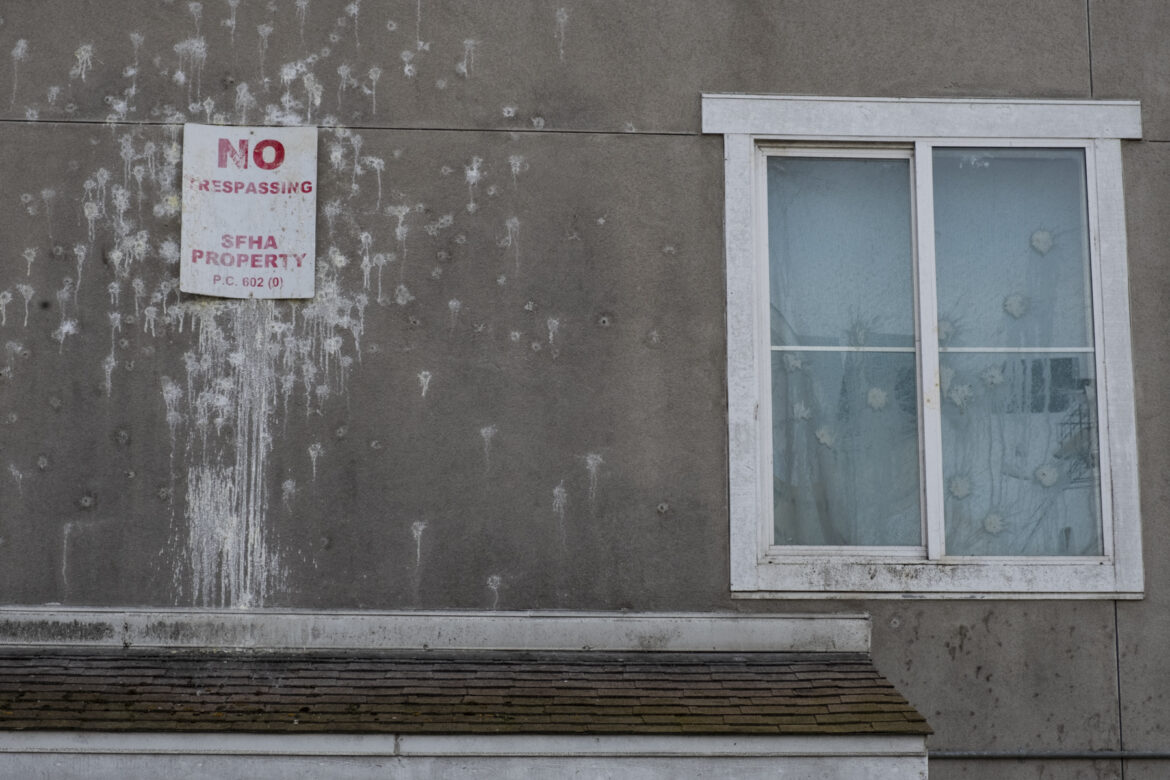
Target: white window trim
[{"x": 749, "y": 121}]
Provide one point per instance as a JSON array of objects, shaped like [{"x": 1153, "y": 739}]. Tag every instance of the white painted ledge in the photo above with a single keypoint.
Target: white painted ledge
[
  {"x": 93, "y": 743},
  {"x": 851, "y": 117},
  {"x": 302, "y": 757},
  {"x": 436, "y": 630}
]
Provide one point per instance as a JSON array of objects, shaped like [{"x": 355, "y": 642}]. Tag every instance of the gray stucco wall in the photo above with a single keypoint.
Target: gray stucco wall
[{"x": 524, "y": 407}]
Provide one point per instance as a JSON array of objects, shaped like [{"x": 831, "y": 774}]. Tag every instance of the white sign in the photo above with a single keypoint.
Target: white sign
[{"x": 249, "y": 211}]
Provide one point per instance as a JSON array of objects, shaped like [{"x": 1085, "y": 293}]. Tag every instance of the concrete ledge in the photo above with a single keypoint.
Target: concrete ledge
[
  {"x": 91, "y": 743},
  {"x": 438, "y": 630},
  {"x": 298, "y": 757}
]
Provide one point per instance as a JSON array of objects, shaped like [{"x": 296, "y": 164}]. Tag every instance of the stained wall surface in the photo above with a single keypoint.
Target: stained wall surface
[{"x": 509, "y": 392}]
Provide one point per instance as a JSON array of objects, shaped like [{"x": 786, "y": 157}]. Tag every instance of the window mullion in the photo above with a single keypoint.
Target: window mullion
[{"x": 932, "y": 477}]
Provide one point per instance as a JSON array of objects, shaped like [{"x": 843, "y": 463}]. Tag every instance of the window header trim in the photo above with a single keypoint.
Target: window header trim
[{"x": 792, "y": 116}]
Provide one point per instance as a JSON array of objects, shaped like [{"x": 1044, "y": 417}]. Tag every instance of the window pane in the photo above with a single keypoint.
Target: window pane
[
  {"x": 1011, "y": 243},
  {"x": 840, "y": 256},
  {"x": 845, "y": 444},
  {"x": 1020, "y": 454}
]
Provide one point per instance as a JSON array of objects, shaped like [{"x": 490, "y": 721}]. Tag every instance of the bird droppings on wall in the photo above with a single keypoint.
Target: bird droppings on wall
[
  {"x": 252, "y": 394},
  {"x": 560, "y": 505},
  {"x": 593, "y": 462},
  {"x": 562, "y": 23},
  {"x": 487, "y": 433}
]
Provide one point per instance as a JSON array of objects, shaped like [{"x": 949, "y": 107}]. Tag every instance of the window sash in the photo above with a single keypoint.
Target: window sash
[{"x": 932, "y": 481}]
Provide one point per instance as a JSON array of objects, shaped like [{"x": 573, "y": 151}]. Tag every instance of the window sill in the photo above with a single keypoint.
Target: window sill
[{"x": 838, "y": 576}]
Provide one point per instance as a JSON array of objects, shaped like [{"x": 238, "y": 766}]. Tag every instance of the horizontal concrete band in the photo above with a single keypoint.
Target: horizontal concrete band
[
  {"x": 439, "y": 630},
  {"x": 456, "y": 745}
]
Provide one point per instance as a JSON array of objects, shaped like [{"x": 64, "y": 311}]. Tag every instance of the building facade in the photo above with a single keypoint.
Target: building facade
[{"x": 725, "y": 319}]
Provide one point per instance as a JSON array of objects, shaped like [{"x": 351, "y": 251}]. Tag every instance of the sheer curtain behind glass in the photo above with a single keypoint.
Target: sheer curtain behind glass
[
  {"x": 844, "y": 380},
  {"x": 1016, "y": 356}
]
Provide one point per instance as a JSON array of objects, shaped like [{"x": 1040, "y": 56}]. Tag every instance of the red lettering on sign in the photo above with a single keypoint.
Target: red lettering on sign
[
  {"x": 239, "y": 156},
  {"x": 277, "y": 154}
]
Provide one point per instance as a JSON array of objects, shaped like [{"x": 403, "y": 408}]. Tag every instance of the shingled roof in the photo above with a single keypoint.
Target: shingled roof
[{"x": 466, "y": 692}]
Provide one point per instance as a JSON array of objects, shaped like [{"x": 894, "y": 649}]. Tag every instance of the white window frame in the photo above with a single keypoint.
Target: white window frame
[{"x": 751, "y": 124}]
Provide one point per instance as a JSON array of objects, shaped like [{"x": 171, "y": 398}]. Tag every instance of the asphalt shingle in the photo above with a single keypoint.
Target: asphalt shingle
[{"x": 466, "y": 692}]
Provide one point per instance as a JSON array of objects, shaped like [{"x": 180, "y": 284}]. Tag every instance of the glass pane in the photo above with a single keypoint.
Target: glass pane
[
  {"x": 845, "y": 444},
  {"x": 840, "y": 256},
  {"x": 1012, "y": 248},
  {"x": 1020, "y": 454}
]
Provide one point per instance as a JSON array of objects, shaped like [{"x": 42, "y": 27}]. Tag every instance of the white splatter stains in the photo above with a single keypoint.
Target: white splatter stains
[
  {"x": 80, "y": 251},
  {"x": 196, "y": 11},
  {"x": 83, "y": 58},
  {"x": 992, "y": 376},
  {"x": 17, "y": 477},
  {"x": 418, "y": 26},
  {"x": 172, "y": 394},
  {"x": 373, "y": 74},
  {"x": 562, "y": 23},
  {"x": 352, "y": 10},
  {"x": 64, "y": 330},
  {"x": 109, "y": 363},
  {"x": 487, "y": 433},
  {"x": 19, "y": 54},
  {"x": 511, "y": 238},
  {"x": 263, "y": 30},
  {"x": 465, "y": 65},
  {"x": 442, "y": 223},
  {"x": 1047, "y": 475},
  {"x": 1015, "y": 305},
  {"x": 315, "y": 450},
  {"x": 472, "y": 175},
  {"x": 493, "y": 583},
  {"x": 5, "y": 299},
  {"x": 244, "y": 101},
  {"x": 401, "y": 230},
  {"x": 408, "y": 68},
  {"x": 826, "y": 437},
  {"x": 593, "y": 463},
  {"x": 12, "y": 348},
  {"x": 416, "y": 530},
  {"x": 192, "y": 55},
  {"x": 378, "y": 165},
  {"x": 230, "y": 22},
  {"x": 380, "y": 259},
  {"x": 288, "y": 493},
  {"x": 26, "y": 292},
  {"x": 302, "y": 15},
  {"x": 518, "y": 165},
  {"x": 92, "y": 211},
  {"x": 1042, "y": 242},
  {"x": 248, "y": 357},
  {"x": 560, "y": 506}
]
